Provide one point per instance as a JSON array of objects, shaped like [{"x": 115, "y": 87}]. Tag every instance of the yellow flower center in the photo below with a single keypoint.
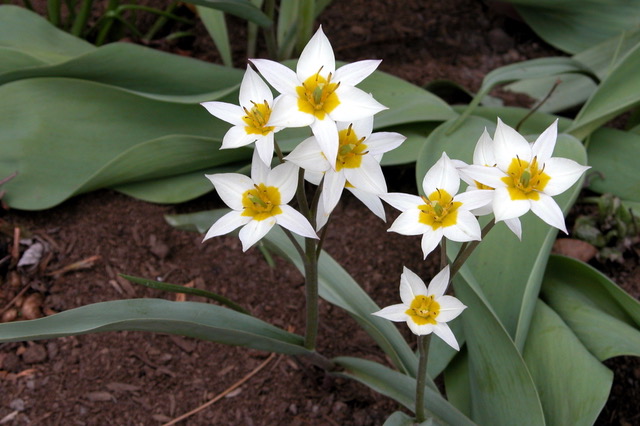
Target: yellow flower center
[
  {"x": 256, "y": 118},
  {"x": 317, "y": 95},
  {"x": 424, "y": 310},
  {"x": 262, "y": 202},
  {"x": 439, "y": 209},
  {"x": 351, "y": 149},
  {"x": 525, "y": 179}
]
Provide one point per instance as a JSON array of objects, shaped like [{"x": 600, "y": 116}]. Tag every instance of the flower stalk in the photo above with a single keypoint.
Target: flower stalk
[{"x": 421, "y": 380}]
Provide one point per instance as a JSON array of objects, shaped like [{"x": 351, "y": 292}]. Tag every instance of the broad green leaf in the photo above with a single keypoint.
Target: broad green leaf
[
  {"x": 30, "y": 33},
  {"x": 603, "y": 316},
  {"x": 287, "y": 27},
  {"x": 573, "y": 385},
  {"x": 143, "y": 71},
  {"x": 575, "y": 89},
  {"x": 573, "y": 26},
  {"x": 12, "y": 59},
  {"x": 336, "y": 286},
  {"x": 216, "y": 26},
  {"x": 241, "y": 8},
  {"x": 58, "y": 138},
  {"x": 501, "y": 387},
  {"x": 456, "y": 381},
  {"x": 401, "y": 388},
  {"x": 534, "y": 68},
  {"x": 398, "y": 418},
  {"x": 416, "y": 135},
  {"x": 612, "y": 156},
  {"x": 514, "y": 115},
  {"x": 199, "y": 320},
  {"x": 617, "y": 93}
]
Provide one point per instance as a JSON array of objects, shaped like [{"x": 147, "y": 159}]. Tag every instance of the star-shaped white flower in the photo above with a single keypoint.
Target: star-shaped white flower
[
  {"x": 425, "y": 309},
  {"x": 259, "y": 202},
  {"x": 442, "y": 212},
  {"x": 526, "y": 176},
  {"x": 250, "y": 118},
  {"x": 357, "y": 166},
  {"x": 317, "y": 94}
]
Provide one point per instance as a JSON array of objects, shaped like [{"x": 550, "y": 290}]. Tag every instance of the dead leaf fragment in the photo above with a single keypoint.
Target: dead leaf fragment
[{"x": 574, "y": 248}]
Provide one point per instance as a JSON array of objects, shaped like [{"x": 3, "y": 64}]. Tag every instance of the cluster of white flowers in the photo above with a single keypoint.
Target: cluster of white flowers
[{"x": 508, "y": 177}]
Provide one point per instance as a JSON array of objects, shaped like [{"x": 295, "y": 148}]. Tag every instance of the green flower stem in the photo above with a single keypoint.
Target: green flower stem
[
  {"x": 464, "y": 253},
  {"x": 421, "y": 379},
  {"x": 53, "y": 10},
  {"x": 311, "y": 285}
]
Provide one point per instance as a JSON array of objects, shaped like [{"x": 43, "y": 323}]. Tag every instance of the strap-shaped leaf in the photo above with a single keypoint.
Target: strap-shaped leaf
[{"x": 199, "y": 320}]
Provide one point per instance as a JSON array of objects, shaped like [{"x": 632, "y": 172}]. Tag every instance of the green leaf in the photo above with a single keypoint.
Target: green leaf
[
  {"x": 574, "y": 26},
  {"x": 619, "y": 92},
  {"x": 416, "y": 135},
  {"x": 610, "y": 151},
  {"x": 603, "y": 316},
  {"x": 534, "y": 68},
  {"x": 199, "y": 320},
  {"x": 401, "y": 388},
  {"x": 143, "y": 71},
  {"x": 216, "y": 26},
  {"x": 30, "y": 33},
  {"x": 241, "y": 8},
  {"x": 120, "y": 139},
  {"x": 573, "y": 385},
  {"x": 13, "y": 59}
]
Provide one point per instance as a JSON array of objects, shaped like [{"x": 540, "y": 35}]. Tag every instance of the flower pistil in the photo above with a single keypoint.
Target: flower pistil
[
  {"x": 424, "y": 310},
  {"x": 317, "y": 95},
  {"x": 526, "y": 180},
  {"x": 439, "y": 209},
  {"x": 262, "y": 202}
]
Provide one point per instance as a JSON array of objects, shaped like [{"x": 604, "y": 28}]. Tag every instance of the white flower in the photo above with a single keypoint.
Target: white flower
[
  {"x": 317, "y": 94},
  {"x": 426, "y": 309},
  {"x": 441, "y": 212},
  {"x": 250, "y": 118},
  {"x": 525, "y": 176},
  {"x": 259, "y": 202},
  {"x": 356, "y": 167}
]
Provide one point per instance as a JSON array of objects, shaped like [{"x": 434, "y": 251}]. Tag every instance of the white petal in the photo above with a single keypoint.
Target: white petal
[
  {"x": 285, "y": 178},
  {"x": 430, "y": 240},
  {"x": 450, "y": 308},
  {"x": 420, "y": 330},
  {"x": 393, "y": 313},
  {"x": 322, "y": 216},
  {"x": 280, "y": 77},
  {"x": 236, "y": 137},
  {"x": 264, "y": 146},
  {"x": 411, "y": 285},
  {"x": 439, "y": 283},
  {"x": 308, "y": 156},
  {"x": 368, "y": 177},
  {"x": 515, "y": 226},
  {"x": 509, "y": 144},
  {"x": 354, "y": 73},
  {"x": 313, "y": 177},
  {"x": 563, "y": 172},
  {"x": 442, "y": 175},
  {"x": 483, "y": 153},
  {"x": 362, "y": 128},
  {"x": 506, "y": 208},
  {"x": 543, "y": 146},
  {"x": 381, "y": 142},
  {"x": 230, "y": 113},
  {"x": 317, "y": 53},
  {"x": 444, "y": 332},
  {"x": 253, "y": 231},
  {"x": 253, "y": 88},
  {"x": 285, "y": 113},
  {"x": 226, "y": 224},
  {"x": 490, "y": 176},
  {"x": 401, "y": 201},
  {"x": 326, "y": 134},
  {"x": 407, "y": 224},
  {"x": 466, "y": 228},
  {"x": 354, "y": 105},
  {"x": 548, "y": 210},
  {"x": 332, "y": 190},
  {"x": 230, "y": 187},
  {"x": 372, "y": 201},
  {"x": 475, "y": 199},
  {"x": 295, "y": 222},
  {"x": 259, "y": 170}
]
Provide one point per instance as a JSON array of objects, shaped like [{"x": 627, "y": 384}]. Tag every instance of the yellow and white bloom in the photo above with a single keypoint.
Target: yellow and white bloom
[
  {"x": 425, "y": 309},
  {"x": 317, "y": 94},
  {"x": 526, "y": 176},
  {"x": 250, "y": 118},
  {"x": 442, "y": 212},
  {"x": 259, "y": 202},
  {"x": 357, "y": 166}
]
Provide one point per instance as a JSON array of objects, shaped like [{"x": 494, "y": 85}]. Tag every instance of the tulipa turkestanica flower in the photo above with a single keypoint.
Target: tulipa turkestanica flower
[
  {"x": 526, "y": 176},
  {"x": 259, "y": 202},
  {"x": 442, "y": 212},
  {"x": 425, "y": 309},
  {"x": 250, "y": 118},
  {"x": 318, "y": 95},
  {"x": 356, "y": 167}
]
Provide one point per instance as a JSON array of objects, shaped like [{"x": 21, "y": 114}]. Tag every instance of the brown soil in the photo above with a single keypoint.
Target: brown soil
[{"x": 134, "y": 378}]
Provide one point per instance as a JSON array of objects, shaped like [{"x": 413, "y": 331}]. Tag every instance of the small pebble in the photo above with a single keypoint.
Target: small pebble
[{"x": 34, "y": 354}]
